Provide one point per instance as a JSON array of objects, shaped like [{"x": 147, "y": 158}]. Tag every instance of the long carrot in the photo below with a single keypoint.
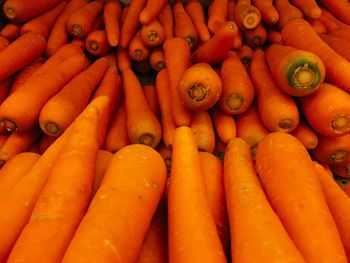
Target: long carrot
[
  {"x": 268, "y": 12},
  {"x": 237, "y": 88},
  {"x": 217, "y": 16},
  {"x": 333, "y": 120},
  {"x": 157, "y": 59},
  {"x": 138, "y": 50},
  {"x": 225, "y": 125},
  {"x": 278, "y": 152},
  {"x": 20, "y": 53},
  {"x": 195, "y": 238},
  {"x": 341, "y": 46},
  {"x": 103, "y": 159},
  {"x": 246, "y": 15},
  {"x": 166, "y": 18},
  {"x": 11, "y": 31},
  {"x": 203, "y": 131},
  {"x": 195, "y": 10},
  {"x": 256, "y": 231},
  {"x": 245, "y": 54},
  {"x": 340, "y": 9},
  {"x": 306, "y": 135},
  {"x": 111, "y": 14},
  {"x": 96, "y": 43},
  {"x": 287, "y": 12},
  {"x": 134, "y": 183},
  {"x": 277, "y": 110},
  {"x": 255, "y": 37},
  {"x": 123, "y": 59},
  {"x": 151, "y": 10}
]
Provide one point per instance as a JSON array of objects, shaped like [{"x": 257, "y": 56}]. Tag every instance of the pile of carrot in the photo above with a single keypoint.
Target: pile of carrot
[{"x": 175, "y": 131}]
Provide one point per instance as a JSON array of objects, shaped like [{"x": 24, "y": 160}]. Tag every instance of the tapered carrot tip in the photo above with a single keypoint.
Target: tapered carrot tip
[
  {"x": 147, "y": 139},
  {"x": 198, "y": 92},
  {"x": 9, "y": 125},
  {"x": 341, "y": 123},
  {"x": 285, "y": 124},
  {"x": 113, "y": 42},
  {"x": 76, "y": 30},
  {"x": 52, "y": 129},
  {"x": 251, "y": 20},
  {"x": 234, "y": 102}
]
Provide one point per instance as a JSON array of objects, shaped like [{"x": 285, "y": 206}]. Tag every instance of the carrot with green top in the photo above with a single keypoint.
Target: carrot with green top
[
  {"x": 306, "y": 135},
  {"x": 225, "y": 125},
  {"x": 138, "y": 50},
  {"x": 246, "y": 15},
  {"x": 245, "y": 54},
  {"x": 103, "y": 159},
  {"x": 203, "y": 131},
  {"x": 339, "y": 8},
  {"x": 166, "y": 18},
  {"x": 195, "y": 10},
  {"x": 269, "y": 13},
  {"x": 287, "y": 12},
  {"x": 255, "y": 37},
  {"x": 96, "y": 43},
  {"x": 217, "y": 15},
  {"x": 151, "y": 10},
  {"x": 297, "y": 72},
  {"x": 261, "y": 233},
  {"x": 111, "y": 14},
  {"x": 11, "y": 31},
  {"x": 123, "y": 59},
  {"x": 153, "y": 34},
  {"x": 340, "y": 45},
  {"x": 157, "y": 59}
]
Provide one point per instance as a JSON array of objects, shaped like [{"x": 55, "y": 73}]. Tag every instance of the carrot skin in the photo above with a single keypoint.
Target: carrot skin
[
  {"x": 11, "y": 31},
  {"x": 111, "y": 15}
]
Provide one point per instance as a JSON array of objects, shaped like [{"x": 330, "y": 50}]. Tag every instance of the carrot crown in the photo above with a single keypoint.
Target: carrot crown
[{"x": 303, "y": 75}]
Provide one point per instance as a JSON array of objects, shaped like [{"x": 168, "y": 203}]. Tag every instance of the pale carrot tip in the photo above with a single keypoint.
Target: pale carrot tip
[
  {"x": 9, "y": 125},
  {"x": 316, "y": 13},
  {"x": 10, "y": 13},
  {"x": 341, "y": 123},
  {"x": 339, "y": 156},
  {"x": 76, "y": 30},
  {"x": 285, "y": 124},
  {"x": 251, "y": 21},
  {"x": 147, "y": 139},
  {"x": 113, "y": 42},
  {"x": 197, "y": 92},
  {"x": 52, "y": 129}
]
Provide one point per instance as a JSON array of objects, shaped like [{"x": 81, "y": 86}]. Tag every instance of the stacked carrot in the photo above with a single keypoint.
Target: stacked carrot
[{"x": 101, "y": 100}]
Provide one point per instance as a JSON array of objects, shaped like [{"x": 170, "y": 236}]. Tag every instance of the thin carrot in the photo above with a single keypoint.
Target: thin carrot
[
  {"x": 340, "y": 9},
  {"x": 166, "y": 153},
  {"x": 22, "y": 10},
  {"x": 153, "y": 34},
  {"x": 306, "y": 135},
  {"x": 342, "y": 169},
  {"x": 111, "y": 14},
  {"x": 261, "y": 234},
  {"x": 125, "y": 10},
  {"x": 273, "y": 36},
  {"x": 151, "y": 10},
  {"x": 200, "y": 87},
  {"x": 177, "y": 59},
  {"x": 318, "y": 26},
  {"x": 333, "y": 120},
  {"x": 255, "y": 37},
  {"x": 96, "y": 43},
  {"x": 166, "y": 18},
  {"x": 135, "y": 196},
  {"x": 328, "y": 23},
  {"x": 20, "y": 53},
  {"x": 277, "y": 110},
  {"x": 4, "y": 42},
  {"x": 138, "y": 50},
  {"x": 103, "y": 159},
  {"x": 309, "y": 8},
  {"x": 268, "y": 12},
  {"x": 340, "y": 45},
  {"x": 45, "y": 142},
  {"x": 237, "y": 88},
  {"x": 246, "y": 15},
  {"x": 195, "y": 10},
  {"x": 245, "y": 54},
  {"x": 203, "y": 131},
  {"x": 151, "y": 96},
  {"x": 287, "y": 12},
  {"x": 11, "y": 31},
  {"x": 216, "y": 49},
  {"x": 225, "y": 125},
  {"x": 187, "y": 188},
  {"x": 157, "y": 59},
  {"x": 217, "y": 16},
  {"x": 141, "y": 66},
  {"x": 123, "y": 59}
]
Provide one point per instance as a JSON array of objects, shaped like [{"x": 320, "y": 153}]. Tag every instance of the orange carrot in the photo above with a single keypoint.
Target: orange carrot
[
  {"x": 153, "y": 34},
  {"x": 177, "y": 59},
  {"x": 333, "y": 120},
  {"x": 297, "y": 72},
  {"x": 203, "y": 131},
  {"x": 139, "y": 201},
  {"x": 268, "y": 12},
  {"x": 318, "y": 26},
  {"x": 103, "y": 159},
  {"x": 141, "y": 66},
  {"x": 217, "y": 16},
  {"x": 273, "y": 36},
  {"x": 245, "y": 54},
  {"x": 341, "y": 46},
  {"x": 96, "y": 43},
  {"x": 166, "y": 153},
  {"x": 157, "y": 59},
  {"x": 4, "y": 42},
  {"x": 246, "y": 15},
  {"x": 340, "y": 9},
  {"x": 22, "y": 10},
  {"x": 45, "y": 142},
  {"x": 273, "y": 155},
  {"x": 138, "y": 50},
  {"x": 287, "y": 12},
  {"x": 151, "y": 10},
  {"x": 151, "y": 96},
  {"x": 306, "y": 135},
  {"x": 20, "y": 53},
  {"x": 186, "y": 189},
  {"x": 277, "y": 110},
  {"x": 225, "y": 125},
  {"x": 123, "y": 59},
  {"x": 61, "y": 109},
  {"x": 255, "y": 37},
  {"x": 200, "y": 87},
  {"x": 341, "y": 169},
  {"x": 166, "y": 18},
  {"x": 11, "y": 31},
  {"x": 309, "y": 8},
  {"x": 194, "y": 9},
  {"x": 237, "y": 88},
  {"x": 111, "y": 14},
  {"x": 330, "y": 17},
  {"x": 261, "y": 234}
]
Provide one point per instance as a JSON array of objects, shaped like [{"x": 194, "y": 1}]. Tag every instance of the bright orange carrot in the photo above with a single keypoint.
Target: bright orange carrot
[
  {"x": 261, "y": 234},
  {"x": 225, "y": 125},
  {"x": 277, "y": 110},
  {"x": 177, "y": 59},
  {"x": 138, "y": 50},
  {"x": 217, "y": 16},
  {"x": 123, "y": 59},
  {"x": 157, "y": 59},
  {"x": 318, "y": 26},
  {"x": 255, "y": 37},
  {"x": 287, "y": 12},
  {"x": 139, "y": 201},
  {"x": 309, "y": 8},
  {"x": 237, "y": 88},
  {"x": 246, "y": 15},
  {"x": 187, "y": 188},
  {"x": 45, "y": 142},
  {"x": 151, "y": 96},
  {"x": 341, "y": 46},
  {"x": 245, "y": 54},
  {"x": 203, "y": 131},
  {"x": 151, "y": 10},
  {"x": 273, "y": 36},
  {"x": 340, "y": 9},
  {"x": 103, "y": 159},
  {"x": 166, "y": 18},
  {"x": 268, "y": 12},
  {"x": 153, "y": 34},
  {"x": 273, "y": 155},
  {"x": 111, "y": 14},
  {"x": 11, "y": 31},
  {"x": 333, "y": 120},
  {"x": 194, "y": 9},
  {"x": 306, "y": 135},
  {"x": 96, "y": 43}
]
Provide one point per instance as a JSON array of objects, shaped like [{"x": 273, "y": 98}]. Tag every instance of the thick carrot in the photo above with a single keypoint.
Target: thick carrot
[
  {"x": 340, "y": 45},
  {"x": 225, "y": 125},
  {"x": 342, "y": 169},
  {"x": 203, "y": 131},
  {"x": 45, "y": 142},
  {"x": 138, "y": 50},
  {"x": 11, "y": 31},
  {"x": 195, "y": 10},
  {"x": 273, "y": 35},
  {"x": 297, "y": 72},
  {"x": 59, "y": 34},
  {"x": 166, "y": 18},
  {"x": 309, "y": 8},
  {"x": 20, "y": 53},
  {"x": 177, "y": 59},
  {"x": 306, "y": 135},
  {"x": 292, "y": 189},
  {"x": 151, "y": 10},
  {"x": 200, "y": 87},
  {"x": 142, "y": 125},
  {"x": 151, "y": 96},
  {"x": 35, "y": 93},
  {"x": 43, "y": 23},
  {"x": 318, "y": 26},
  {"x": 246, "y": 15},
  {"x": 333, "y": 120},
  {"x": 62, "y": 108},
  {"x": 245, "y": 54},
  {"x": 287, "y": 12},
  {"x": 192, "y": 231},
  {"x": 217, "y": 16},
  {"x": 157, "y": 59},
  {"x": 277, "y": 110},
  {"x": 256, "y": 231},
  {"x": 153, "y": 34},
  {"x": 255, "y": 37},
  {"x": 111, "y": 14},
  {"x": 22, "y": 10},
  {"x": 123, "y": 59},
  {"x": 103, "y": 159},
  {"x": 340, "y": 9},
  {"x": 122, "y": 208},
  {"x": 96, "y": 43},
  {"x": 268, "y": 12},
  {"x": 4, "y": 42},
  {"x": 237, "y": 88}
]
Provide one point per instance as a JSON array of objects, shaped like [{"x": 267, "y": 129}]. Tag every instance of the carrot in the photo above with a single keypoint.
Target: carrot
[
  {"x": 111, "y": 14},
  {"x": 126, "y": 231},
  {"x": 306, "y": 135},
  {"x": 338, "y": 203},
  {"x": 340, "y": 9},
  {"x": 333, "y": 120},
  {"x": 15, "y": 168},
  {"x": 195, "y": 10},
  {"x": 217, "y": 16},
  {"x": 297, "y": 72},
  {"x": 341, "y": 46},
  {"x": 318, "y": 26},
  {"x": 151, "y": 96},
  {"x": 245, "y": 54},
  {"x": 277, "y": 110},
  {"x": 287, "y": 12},
  {"x": 309, "y": 8},
  {"x": 225, "y": 125},
  {"x": 341, "y": 169},
  {"x": 157, "y": 59},
  {"x": 123, "y": 59},
  {"x": 125, "y": 10},
  {"x": 329, "y": 16},
  {"x": 166, "y": 18},
  {"x": 246, "y": 15},
  {"x": 200, "y": 87},
  {"x": 141, "y": 66},
  {"x": 273, "y": 36},
  {"x": 20, "y": 53},
  {"x": 21, "y": 10},
  {"x": 151, "y": 10},
  {"x": 138, "y": 50},
  {"x": 237, "y": 88},
  {"x": 261, "y": 234},
  {"x": 231, "y": 6},
  {"x": 35, "y": 93},
  {"x": 268, "y": 12},
  {"x": 79, "y": 22},
  {"x": 11, "y": 31},
  {"x": 250, "y": 128},
  {"x": 195, "y": 238},
  {"x": 203, "y": 131},
  {"x": 329, "y": 24},
  {"x": 216, "y": 49},
  {"x": 4, "y": 42},
  {"x": 153, "y": 34},
  {"x": 177, "y": 59},
  {"x": 96, "y": 43},
  {"x": 43, "y": 23},
  {"x": 273, "y": 155},
  {"x": 103, "y": 159},
  {"x": 255, "y": 37},
  {"x": 62, "y": 108},
  {"x": 45, "y": 142},
  {"x": 166, "y": 153}
]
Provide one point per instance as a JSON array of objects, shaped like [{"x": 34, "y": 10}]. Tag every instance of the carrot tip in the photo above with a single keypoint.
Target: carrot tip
[
  {"x": 94, "y": 45},
  {"x": 197, "y": 92},
  {"x": 52, "y": 129},
  {"x": 285, "y": 124},
  {"x": 147, "y": 139},
  {"x": 341, "y": 123},
  {"x": 138, "y": 53},
  {"x": 234, "y": 102},
  {"x": 9, "y": 125},
  {"x": 160, "y": 65},
  {"x": 10, "y": 13},
  {"x": 113, "y": 42},
  {"x": 251, "y": 20},
  {"x": 339, "y": 156},
  {"x": 246, "y": 60},
  {"x": 76, "y": 29}
]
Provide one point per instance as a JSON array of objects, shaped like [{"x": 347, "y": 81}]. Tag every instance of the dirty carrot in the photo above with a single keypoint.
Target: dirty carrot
[
  {"x": 245, "y": 54},
  {"x": 273, "y": 36},
  {"x": 157, "y": 59},
  {"x": 166, "y": 18},
  {"x": 11, "y": 31},
  {"x": 96, "y": 43},
  {"x": 340, "y": 9},
  {"x": 225, "y": 125},
  {"x": 123, "y": 59},
  {"x": 255, "y": 37},
  {"x": 306, "y": 135},
  {"x": 287, "y": 12},
  {"x": 341, "y": 46},
  {"x": 203, "y": 131},
  {"x": 138, "y": 50},
  {"x": 151, "y": 10},
  {"x": 103, "y": 159},
  {"x": 195, "y": 10},
  {"x": 268, "y": 12},
  {"x": 246, "y": 15},
  {"x": 153, "y": 34},
  {"x": 217, "y": 16},
  {"x": 111, "y": 14}
]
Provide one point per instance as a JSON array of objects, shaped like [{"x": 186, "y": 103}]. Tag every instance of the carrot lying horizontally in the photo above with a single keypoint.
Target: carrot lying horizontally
[
  {"x": 246, "y": 15},
  {"x": 296, "y": 188},
  {"x": 255, "y": 37},
  {"x": 309, "y": 8},
  {"x": 261, "y": 233},
  {"x": 306, "y": 135},
  {"x": 194, "y": 238},
  {"x": 152, "y": 34},
  {"x": 341, "y": 46},
  {"x": 111, "y": 14},
  {"x": 103, "y": 159},
  {"x": 157, "y": 59},
  {"x": 151, "y": 10},
  {"x": 287, "y": 12},
  {"x": 166, "y": 18},
  {"x": 96, "y": 43},
  {"x": 11, "y": 31},
  {"x": 203, "y": 131},
  {"x": 268, "y": 12},
  {"x": 245, "y": 54},
  {"x": 217, "y": 15},
  {"x": 225, "y": 125},
  {"x": 195, "y": 10},
  {"x": 340, "y": 9},
  {"x": 129, "y": 195},
  {"x": 138, "y": 50}
]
